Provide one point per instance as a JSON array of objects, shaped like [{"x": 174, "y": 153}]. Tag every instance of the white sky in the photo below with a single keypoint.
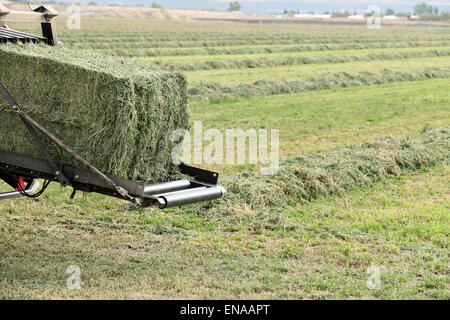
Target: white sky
[{"x": 406, "y": 2}]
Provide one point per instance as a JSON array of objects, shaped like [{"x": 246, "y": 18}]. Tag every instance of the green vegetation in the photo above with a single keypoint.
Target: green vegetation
[
  {"x": 232, "y": 50},
  {"x": 285, "y": 60},
  {"x": 235, "y": 77},
  {"x": 225, "y": 43},
  {"x": 422, "y": 8},
  {"x": 428, "y": 12},
  {"x": 156, "y": 6},
  {"x": 187, "y": 60},
  {"x": 340, "y": 14},
  {"x": 313, "y": 175},
  {"x": 318, "y": 250},
  {"x": 390, "y": 12},
  {"x": 337, "y": 80},
  {"x": 338, "y": 205},
  {"x": 321, "y": 120},
  {"x": 234, "y": 6}
]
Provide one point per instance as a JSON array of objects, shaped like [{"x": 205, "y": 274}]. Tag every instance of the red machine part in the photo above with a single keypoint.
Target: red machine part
[{"x": 20, "y": 185}]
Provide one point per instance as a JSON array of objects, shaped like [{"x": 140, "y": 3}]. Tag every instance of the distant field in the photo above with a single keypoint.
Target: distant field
[{"x": 341, "y": 85}]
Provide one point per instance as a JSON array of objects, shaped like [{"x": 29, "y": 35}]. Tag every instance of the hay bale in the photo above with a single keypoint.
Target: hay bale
[{"x": 117, "y": 114}]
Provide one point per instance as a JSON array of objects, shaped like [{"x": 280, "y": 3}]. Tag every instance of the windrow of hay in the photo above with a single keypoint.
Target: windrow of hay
[
  {"x": 328, "y": 81},
  {"x": 297, "y": 60},
  {"x": 94, "y": 33},
  {"x": 160, "y": 52},
  {"x": 312, "y": 175},
  {"x": 115, "y": 113},
  {"x": 169, "y": 42}
]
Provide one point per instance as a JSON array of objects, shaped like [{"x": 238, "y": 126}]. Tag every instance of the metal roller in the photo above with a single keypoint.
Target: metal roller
[
  {"x": 159, "y": 188},
  {"x": 194, "y": 195},
  {"x": 16, "y": 194}
]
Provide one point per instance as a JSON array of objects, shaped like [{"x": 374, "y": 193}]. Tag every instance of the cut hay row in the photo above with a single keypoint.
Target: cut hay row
[
  {"x": 312, "y": 175},
  {"x": 168, "y": 43},
  {"x": 267, "y": 49},
  {"x": 337, "y": 80},
  {"x": 123, "y": 35},
  {"x": 170, "y": 36},
  {"x": 114, "y": 113},
  {"x": 297, "y": 60}
]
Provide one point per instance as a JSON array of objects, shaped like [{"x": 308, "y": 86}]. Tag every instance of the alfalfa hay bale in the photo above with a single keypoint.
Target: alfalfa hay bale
[{"x": 117, "y": 114}]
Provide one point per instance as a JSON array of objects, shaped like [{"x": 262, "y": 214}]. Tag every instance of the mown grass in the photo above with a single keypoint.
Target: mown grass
[
  {"x": 322, "y": 250},
  {"x": 258, "y": 49},
  {"x": 292, "y": 60},
  {"x": 234, "y": 43},
  {"x": 320, "y": 120},
  {"x": 313, "y": 54},
  {"x": 239, "y": 76},
  {"x": 95, "y": 30}
]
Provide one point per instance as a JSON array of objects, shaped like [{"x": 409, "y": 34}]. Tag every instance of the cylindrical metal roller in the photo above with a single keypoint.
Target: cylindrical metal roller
[
  {"x": 160, "y": 188},
  {"x": 16, "y": 194},
  {"x": 194, "y": 195}
]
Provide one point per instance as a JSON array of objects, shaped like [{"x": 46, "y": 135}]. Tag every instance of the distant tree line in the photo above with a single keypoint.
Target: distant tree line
[
  {"x": 234, "y": 6},
  {"x": 423, "y": 10},
  {"x": 428, "y": 12}
]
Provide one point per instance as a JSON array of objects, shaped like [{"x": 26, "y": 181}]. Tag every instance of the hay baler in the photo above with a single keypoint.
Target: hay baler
[{"x": 21, "y": 171}]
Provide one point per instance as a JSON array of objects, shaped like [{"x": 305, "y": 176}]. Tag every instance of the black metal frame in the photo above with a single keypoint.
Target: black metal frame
[
  {"x": 13, "y": 36},
  {"x": 14, "y": 165},
  {"x": 43, "y": 14}
]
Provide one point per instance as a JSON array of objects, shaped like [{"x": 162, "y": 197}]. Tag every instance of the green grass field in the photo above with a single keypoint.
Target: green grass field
[
  {"x": 400, "y": 225},
  {"x": 320, "y": 120},
  {"x": 319, "y": 249}
]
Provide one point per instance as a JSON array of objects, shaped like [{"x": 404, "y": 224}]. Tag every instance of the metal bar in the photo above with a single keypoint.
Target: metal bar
[
  {"x": 159, "y": 188},
  {"x": 180, "y": 198},
  {"x": 49, "y": 32},
  {"x": 178, "y": 192},
  {"x": 16, "y": 194},
  {"x": 17, "y": 33},
  {"x": 200, "y": 175}
]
